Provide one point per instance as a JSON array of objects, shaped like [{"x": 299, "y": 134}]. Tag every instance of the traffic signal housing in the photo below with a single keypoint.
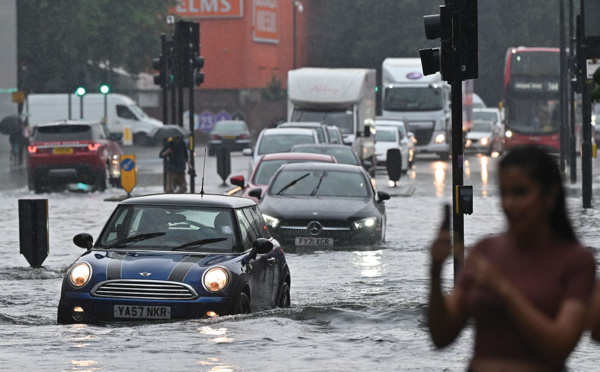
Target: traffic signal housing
[
  {"x": 595, "y": 94},
  {"x": 197, "y": 64},
  {"x": 469, "y": 40},
  {"x": 433, "y": 60},
  {"x": 160, "y": 65}
]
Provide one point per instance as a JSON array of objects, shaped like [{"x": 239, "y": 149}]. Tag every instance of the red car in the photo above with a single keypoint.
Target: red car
[
  {"x": 267, "y": 165},
  {"x": 72, "y": 151}
]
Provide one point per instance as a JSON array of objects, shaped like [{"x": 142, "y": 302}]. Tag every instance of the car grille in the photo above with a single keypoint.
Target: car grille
[
  {"x": 144, "y": 289},
  {"x": 292, "y": 229},
  {"x": 423, "y": 132}
]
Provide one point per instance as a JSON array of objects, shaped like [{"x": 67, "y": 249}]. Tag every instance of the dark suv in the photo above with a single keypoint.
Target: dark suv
[{"x": 72, "y": 151}]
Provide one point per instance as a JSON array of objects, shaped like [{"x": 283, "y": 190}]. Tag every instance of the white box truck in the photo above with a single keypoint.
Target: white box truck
[
  {"x": 422, "y": 102},
  {"x": 121, "y": 112},
  {"x": 344, "y": 97}
]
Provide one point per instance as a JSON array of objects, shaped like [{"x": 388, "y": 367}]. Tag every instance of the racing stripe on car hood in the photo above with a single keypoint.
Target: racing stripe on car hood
[
  {"x": 182, "y": 268},
  {"x": 115, "y": 264}
]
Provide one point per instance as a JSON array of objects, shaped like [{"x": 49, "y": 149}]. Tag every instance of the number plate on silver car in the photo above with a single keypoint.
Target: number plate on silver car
[{"x": 313, "y": 241}]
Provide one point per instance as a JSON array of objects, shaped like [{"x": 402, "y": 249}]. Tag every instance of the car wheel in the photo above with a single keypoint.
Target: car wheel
[
  {"x": 101, "y": 180},
  {"x": 284, "y": 299},
  {"x": 35, "y": 185},
  {"x": 62, "y": 317},
  {"x": 243, "y": 304},
  {"x": 142, "y": 139}
]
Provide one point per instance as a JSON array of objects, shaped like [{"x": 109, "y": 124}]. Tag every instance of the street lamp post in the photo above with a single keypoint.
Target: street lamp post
[{"x": 297, "y": 8}]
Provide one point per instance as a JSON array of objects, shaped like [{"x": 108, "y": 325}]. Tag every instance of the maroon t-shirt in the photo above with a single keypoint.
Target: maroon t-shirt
[{"x": 545, "y": 275}]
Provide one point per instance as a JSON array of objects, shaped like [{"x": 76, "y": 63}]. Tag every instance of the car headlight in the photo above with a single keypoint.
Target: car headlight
[
  {"x": 508, "y": 134},
  {"x": 365, "y": 223},
  {"x": 80, "y": 274},
  {"x": 216, "y": 279},
  {"x": 440, "y": 138},
  {"x": 484, "y": 141},
  {"x": 271, "y": 221}
]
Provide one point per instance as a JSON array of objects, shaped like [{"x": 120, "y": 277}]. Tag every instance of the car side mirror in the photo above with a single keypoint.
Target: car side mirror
[
  {"x": 367, "y": 164},
  {"x": 260, "y": 246},
  {"x": 255, "y": 193},
  {"x": 247, "y": 152},
  {"x": 83, "y": 240},
  {"x": 382, "y": 196},
  {"x": 238, "y": 181},
  {"x": 117, "y": 137}
]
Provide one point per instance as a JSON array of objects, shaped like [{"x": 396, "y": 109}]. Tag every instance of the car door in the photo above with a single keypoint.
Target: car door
[{"x": 262, "y": 275}]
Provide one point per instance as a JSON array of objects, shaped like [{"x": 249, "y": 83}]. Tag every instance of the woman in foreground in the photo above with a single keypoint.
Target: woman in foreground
[{"x": 527, "y": 289}]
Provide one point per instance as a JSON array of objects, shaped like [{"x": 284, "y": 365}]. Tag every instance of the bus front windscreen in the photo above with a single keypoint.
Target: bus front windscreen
[
  {"x": 533, "y": 116},
  {"x": 341, "y": 119},
  {"x": 413, "y": 99}
]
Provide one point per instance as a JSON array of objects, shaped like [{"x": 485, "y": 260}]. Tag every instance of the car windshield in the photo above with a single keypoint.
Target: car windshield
[
  {"x": 267, "y": 168},
  {"x": 282, "y": 142},
  {"x": 485, "y": 115},
  {"x": 169, "y": 228},
  {"x": 72, "y": 132},
  {"x": 320, "y": 183},
  {"x": 482, "y": 126},
  {"x": 382, "y": 135}
]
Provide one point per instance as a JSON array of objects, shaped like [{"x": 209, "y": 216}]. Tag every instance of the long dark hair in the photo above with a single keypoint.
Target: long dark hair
[{"x": 543, "y": 169}]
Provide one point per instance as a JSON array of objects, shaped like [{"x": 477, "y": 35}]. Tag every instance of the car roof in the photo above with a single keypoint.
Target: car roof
[
  {"x": 322, "y": 166},
  {"x": 389, "y": 128},
  {"x": 299, "y": 124},
  {"x": 69, "y": 122},
  {"x": 323, "y": 145},
  {"x": 380, "y": 121},
  {"x": 296, "y": 155},
  {"x": 489, "y": 109},
  {"x": 276, "y": 131},
  {"x": 203, "y": 200}
]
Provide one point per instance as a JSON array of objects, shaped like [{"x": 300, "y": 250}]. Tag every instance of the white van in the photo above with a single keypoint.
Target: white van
[{"x": 121, "y": 112}]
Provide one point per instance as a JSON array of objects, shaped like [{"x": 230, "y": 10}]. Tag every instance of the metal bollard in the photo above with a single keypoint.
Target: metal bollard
[{"x": 33, "y": 230}]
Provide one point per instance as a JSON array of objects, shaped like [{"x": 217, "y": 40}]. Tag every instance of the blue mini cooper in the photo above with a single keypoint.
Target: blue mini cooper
[{"x": 168, "y": 257}]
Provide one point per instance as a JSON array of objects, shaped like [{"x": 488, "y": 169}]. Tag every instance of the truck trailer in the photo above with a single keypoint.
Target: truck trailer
[
  {"x": 343, "y": 97},
  {"x": 422, "y": 102}
]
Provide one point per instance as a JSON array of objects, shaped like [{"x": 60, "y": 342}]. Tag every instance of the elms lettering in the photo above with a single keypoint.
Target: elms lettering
[
  {"x": 324, "y": 89},
  {"x": 209, "y": 8}
]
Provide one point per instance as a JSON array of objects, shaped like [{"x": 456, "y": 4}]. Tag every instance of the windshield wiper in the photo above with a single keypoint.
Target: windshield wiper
[
  {"x": 198, "y": 243},
  {"x": 292, "y": 183},
  {"x": 136, "y": 238},
  {"x": 314, "y": 192}
]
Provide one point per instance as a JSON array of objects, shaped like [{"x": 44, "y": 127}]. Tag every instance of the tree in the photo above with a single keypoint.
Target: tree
[{"x": 62, "y": 43}]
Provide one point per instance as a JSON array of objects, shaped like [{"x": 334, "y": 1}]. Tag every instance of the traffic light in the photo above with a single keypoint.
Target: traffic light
[
  {"x": 80, "y": 91},
  {"x": 469, "y": 40},
  {"x": 197, "y": 64},
  {"x": 159, "y": 64},
  {"x": 438, "y": 26},
  {"x": 104, "y": 89}
]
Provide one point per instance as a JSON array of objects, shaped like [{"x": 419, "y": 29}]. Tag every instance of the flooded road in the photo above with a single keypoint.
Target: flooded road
[{"x": 357, "y": 309}]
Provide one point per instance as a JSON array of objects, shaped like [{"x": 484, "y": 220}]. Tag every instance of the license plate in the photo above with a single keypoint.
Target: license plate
[
  {"x": 313, "y": 241},
  {"x": 142, "y": 312},
  {"x": 62, "y": 150},
  {"x": 229, "y": 137}
]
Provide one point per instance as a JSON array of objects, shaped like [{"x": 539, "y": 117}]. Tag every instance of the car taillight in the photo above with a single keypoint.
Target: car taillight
[
  {"x": 93, "y": 146},
  {"x": 32, "y": 149},
  {"x": 243, "y": 136},
  {"x": 215, "y": 136}
]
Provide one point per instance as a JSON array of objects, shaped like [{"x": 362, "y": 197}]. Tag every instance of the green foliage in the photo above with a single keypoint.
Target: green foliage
[
  {"x": 61, "y": 43},
  {"x": 274, "y": 90},
  {"x": 362, "y": 33}
]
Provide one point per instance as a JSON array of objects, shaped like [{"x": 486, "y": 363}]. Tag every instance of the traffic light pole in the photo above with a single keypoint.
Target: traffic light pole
[
  {"x": 458, "y": 224},
  {"x": 191, "y": 121}
]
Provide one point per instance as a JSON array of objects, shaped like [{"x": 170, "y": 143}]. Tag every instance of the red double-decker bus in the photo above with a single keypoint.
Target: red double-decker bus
[{"x": 532, "y": 97}]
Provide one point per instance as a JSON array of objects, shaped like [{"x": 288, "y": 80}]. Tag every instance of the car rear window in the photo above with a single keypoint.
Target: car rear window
[
  {"x": 229, "y": 127},
  {"x": 63, "y": 133},
  {"x": 385, "y": 135}
]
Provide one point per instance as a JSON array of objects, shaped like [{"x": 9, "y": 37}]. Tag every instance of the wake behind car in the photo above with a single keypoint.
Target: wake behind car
[
  {"x": 323, "y": 204},
  {"x": 71, "y": 151},
  {"x": 168, "y": 257}
]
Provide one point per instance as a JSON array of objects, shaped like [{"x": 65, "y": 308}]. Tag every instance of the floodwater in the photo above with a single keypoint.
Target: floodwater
[{"x": 359, "y": 309}]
